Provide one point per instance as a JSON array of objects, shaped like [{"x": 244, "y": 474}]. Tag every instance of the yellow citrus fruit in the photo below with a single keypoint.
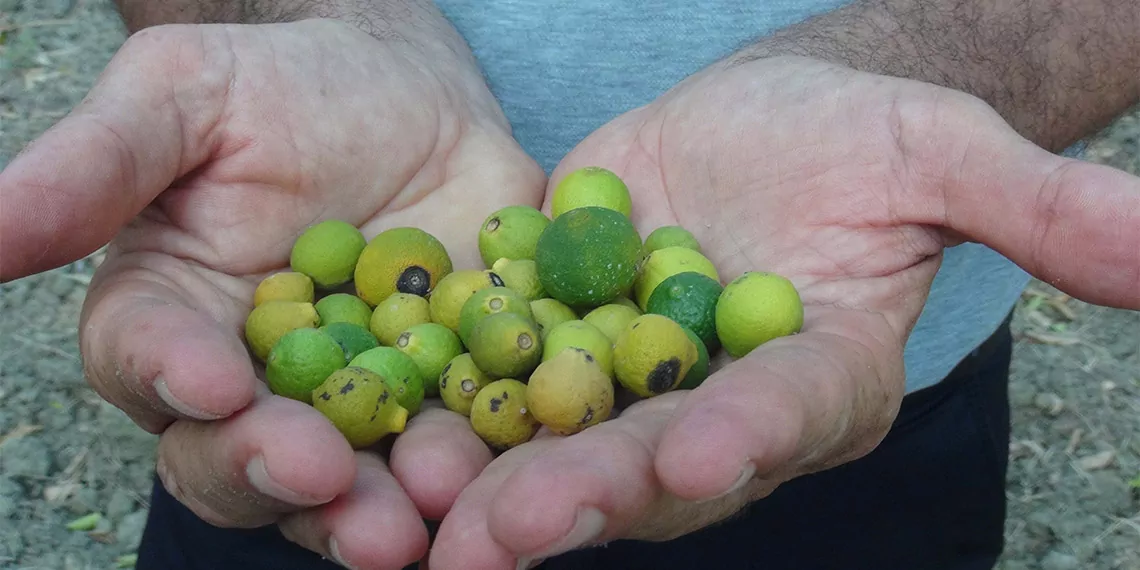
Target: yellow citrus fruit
[
  {"x": 583, "y": 335},
  {"x": 511, "y": 232},
  {"x": 343, "y": 308},
  {"x": 395, "y": 314},
  {"x": 612, "y": 319},
  {"x": 521, "y": 276},
  {"x": 488, "y": 302},
  {"x": 432, "y": 346},
  {"x": 284, "y": 286},
  {"x": 570, "y": 392},
  {"x": 301, "y": 361},
  {"x": 268, "y": 322},
  {"x": 400, "y": 260},
  {"x": 652, "y": 355},
  {"x": 756, "y": 308},
  {"x": 360, "y": 405},
  {"x": 548, "y": 313},
  {"x": 506, "y": 345},
  {"x": 667, "y": 262},
  {"x": 500, "y": 416},
  {"x": 327, "y": 252},
  {"x": 591, "y": 186},
  {"x": 447, "y": 300},
  {"x": 400, "y": 373},
  {"x": 459, "y": 383}
]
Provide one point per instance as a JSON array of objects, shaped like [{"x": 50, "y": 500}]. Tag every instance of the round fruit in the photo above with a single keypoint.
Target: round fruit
[
  {"x": 285, "y": 286},
  {"x": 327, "y": 252},
  {"x": 400, "y": 373},
  {"x": 454, "y": 290},
  {"x": 549, "y": 313},
  {"x": 500, "y": 416},
  {"x": 488, "y": 302},
  {"x": 670, "y": 236},
  {"x": 343, "y": 308},
  {"x": 591, "y": 186},
  {"x": 511, "y": 232},
  {"x": 431, "y": 346},
  {"x": 300, "y": 361},
  {"x": 626, "y": 301},
  {"x": 690, "y": 300},
  {"x": 353, "y": 339},
  {"x": 570, "y": 392},
  {"x": 700, "y": 370},
  {"x": 521, "y": 276},
  {"x": 271, "y": 320},
  {"x": 505, "y": 345},
  {"x": 588, "y": 256},
  {"x": 395, "y": 314},
  {"x": 756, "y": 308},
  {"x": 612, "y": 319},
  {"x": 459, "y": 383},
  {"x": 664, "y": 263},
  {"x": 583, "y": 335},
  {"x": 401, "y": 260},
  {"x": 652, "y": 355},
  {"x": 360, "y": 405}
]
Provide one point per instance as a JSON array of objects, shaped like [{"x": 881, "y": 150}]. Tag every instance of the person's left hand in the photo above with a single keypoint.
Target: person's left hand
[{"x": 851, "y": 185}]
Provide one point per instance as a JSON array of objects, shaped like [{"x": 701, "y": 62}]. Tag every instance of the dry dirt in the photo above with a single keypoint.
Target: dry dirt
[{"x": 1075, "y": 460}]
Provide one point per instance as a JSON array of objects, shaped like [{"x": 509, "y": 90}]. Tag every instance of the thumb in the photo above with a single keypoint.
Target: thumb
[{"x": 70, "y": 191}]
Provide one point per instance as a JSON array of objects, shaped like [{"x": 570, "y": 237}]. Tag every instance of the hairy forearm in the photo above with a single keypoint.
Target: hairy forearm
[{"x": 1057, "y": 70}]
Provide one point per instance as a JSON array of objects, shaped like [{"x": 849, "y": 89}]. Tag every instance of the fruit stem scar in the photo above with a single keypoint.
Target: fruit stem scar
[
  {"x": 493, "y": 224},
  {"x": 403, "y": 340},
  {"x": 525, "y": 342},
  {"x": 495, "y": 304},
  {"x": 467, "y": 385}
]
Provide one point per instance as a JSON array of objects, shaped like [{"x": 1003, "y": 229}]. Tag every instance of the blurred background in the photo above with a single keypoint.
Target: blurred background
[{"x": 75, "y": 474}]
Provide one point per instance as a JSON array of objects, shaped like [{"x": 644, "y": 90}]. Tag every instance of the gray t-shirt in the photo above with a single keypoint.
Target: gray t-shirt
[{"x": 563, "y": 68}]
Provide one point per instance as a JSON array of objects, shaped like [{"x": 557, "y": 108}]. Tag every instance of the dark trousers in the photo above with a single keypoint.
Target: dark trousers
[{"x": 930, "y": 497}]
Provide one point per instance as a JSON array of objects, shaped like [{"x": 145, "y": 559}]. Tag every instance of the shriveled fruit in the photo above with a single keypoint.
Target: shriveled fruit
[
  {"x": 301, "y": 361},
  {"x": 664, "y": 263},
  {"x": 689, "y": 299},
  {"x": 395, "y": 314},
  {"x": 591, "y": 186},
  {"x": 756, "y": 308},
  {"x": 521, "y": 276},
  {"x": 500, "y": 416},
  {"x": 454, "y": 290},
  {"x": 511, "y": 232},
  {"x": 268, "y": 322},
  {"x": 583, "y": 335},
  {"x": 488, "y": 302},
  {"x": 459, "y": 383},
  {"x": 284, "y": 286},
  {"x": 401, "y": 260},
  {"x": 505, "y": 345},
  {"x": 588, "y": 256},
  {"x": 431, "y": 346},
  {"x": 399, "y": 371},
  {"x": 570, "y": 392},
  {"x": 353, "y": 339},
  {"x": 611, "y": 319},
  {"x": 327, "y": 252},
  {"x": 360, "y": 405},
  {"x": 548, "y": 313},
  {"x": 652, "y": 355},
  {"x": 343, "y": 308},
  {"x": 670, "y": 236},
  {"x": 700, "y": 370}
]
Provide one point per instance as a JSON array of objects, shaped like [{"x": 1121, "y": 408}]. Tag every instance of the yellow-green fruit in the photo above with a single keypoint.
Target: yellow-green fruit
[
  {"x": 401, "y": 260},
  {"x": 591, "y": 186},
  {"x": 626, "y": 301},
  {"x": 285, "y": 286},
  {"x": 454, "y": 290},
  {"x": 432, "y": 346},
  {"x": 583, "y": 335},
  {"x": 344, "y": 308},
  {"x": 549, "y": 313},
  {"x": 399, "y": 371},
  {"x": 570, "y": 392},
  {"x": 612, "y": 319},
  {"x": 505, "y": 345},
  {"x": 521, "y": 276},
  {"x": 459, "y": 383},
  {"x": 267, "y": 323},
  {"x": 665, "y": 263},
  {"x": 500, "y": 416},
  {"x": 360, "y": 405},
  {"x": 327, "y": 252},
  {"x": 652, "y": 355},
  {"x": 300, "y": 361},
  {"x": 588, "y": 257},
  {"x": 511, "y": 232},
  {"x": 395, "y": 314},
  {"x": 756, "y": 308},
  {"x": 670, "y": 236},
  {"x": 488, "y": 302}
]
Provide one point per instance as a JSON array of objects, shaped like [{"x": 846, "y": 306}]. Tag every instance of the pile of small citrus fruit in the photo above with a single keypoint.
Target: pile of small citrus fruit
[{"x": 569, "y": 310}]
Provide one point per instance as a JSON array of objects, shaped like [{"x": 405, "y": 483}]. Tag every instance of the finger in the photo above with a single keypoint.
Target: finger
[
  {"x": 793, "y": 405},
  {"x": 151, "y": 352},
  {"x": 436, "y": 457},
  {"x": 372, "y": 526},
  {"x": 72, "y": 189},
  {"x": 274, "y": 457}
]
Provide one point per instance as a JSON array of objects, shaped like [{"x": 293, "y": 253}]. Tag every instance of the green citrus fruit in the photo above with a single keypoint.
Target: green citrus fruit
[
  {"x": 505, "y": 345},
  {"x": 360, "y": 405},
  {"x": 432, "y": 346},
  {"x": 664, "y": 263},
  {"x": 488, "y": 302},
  {"x": 395, "y": 314},
  {"x": 690, "y": 299},
  {"x": 700, "y": 370},
  {"x": 756, "y": 308},
  {"x": 591, "y": 186},
  {"x": 300, "y": 361},
  {"x": 399, "y": 371},
  {"x": 327, "y": 252},
  {"x": 548, "y": 313},
  {"x": 588, "y": 257},
  {"x": 454, "y": 290},
  {"x": 459, "y": 383},
  {"x": 353, "y": 339},
  {"x": 343, "y": 308},
  {"x": 670, "y": 236},
  {"x": 401, "y": 260},
  {"x": 521, "y": 276},
  {"x": 511, "y": 232},
  {"x": 583, "y": 335}
]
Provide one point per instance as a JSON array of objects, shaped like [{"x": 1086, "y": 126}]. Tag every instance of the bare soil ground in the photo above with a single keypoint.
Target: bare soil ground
[{"x": 64, "y": 453}]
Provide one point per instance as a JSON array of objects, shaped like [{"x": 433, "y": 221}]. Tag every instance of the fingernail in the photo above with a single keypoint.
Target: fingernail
[
  {"x": 589, "y": 526},
  {"x": 528, "y": 563},
  {"x": 179, "y": 406},
  {"x": 260, "y": 479},
  {"x": 334, "y": 552},
  {"x": 746, "y": 474}
]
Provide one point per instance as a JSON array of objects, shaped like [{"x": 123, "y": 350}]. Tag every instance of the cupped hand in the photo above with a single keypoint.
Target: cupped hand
[
  {"x": 851, "y": 185},
  {"x": 204, "y": 151}
]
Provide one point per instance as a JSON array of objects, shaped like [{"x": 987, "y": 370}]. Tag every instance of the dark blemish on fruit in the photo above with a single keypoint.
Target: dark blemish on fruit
[
  {"x": 586, "y": 418},
  {"x": 443, "y": 381},
  {"x": 407, "y": 380},
  {"x": 347, "y": 388},
  {"x": 325, "y": 396},
  {"x": 493, "y": 224},
  {"x": 505, "y": 396},
  {"x": 495, "y": 403},
  {"x": 383, "y": 399},
  {"x": 445, "y": 369},
  {"x": 467, "y": 385},
  {"x": 589, "y": 357},
  {"x": 635, "y": 325},
  {"x": 664, "y": 376},
  {"x": 496, "y": 280},
  {"x": 415, "y": 280}
]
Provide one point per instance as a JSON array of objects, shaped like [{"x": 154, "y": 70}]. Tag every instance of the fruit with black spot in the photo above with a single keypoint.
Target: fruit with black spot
[
  {"x": 431, "y": 346},
  {"x": 499, "y": 414},
  {"x": 511, "y": 232},
  {"x": 459, "y": 383},
  {"x": 505, "y": 345},
  {"x": 399, "y": 371},
  {"x": 652, "y": 355},
  {"x": 447, "y": 301},
  {"x": 360, "y": 405},
  {"x": 405, "y": 260},
  {"x": 570, "y": 392},
  {"x": 520, "y": 275},
  {"x": 583, "y": 335}
]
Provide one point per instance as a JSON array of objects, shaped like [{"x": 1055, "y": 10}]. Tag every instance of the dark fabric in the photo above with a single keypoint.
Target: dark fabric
[{"x": 930, "y": 497}]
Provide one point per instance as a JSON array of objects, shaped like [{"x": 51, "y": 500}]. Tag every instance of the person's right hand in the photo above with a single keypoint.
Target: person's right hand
[{"x": 204, "y": 150}]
